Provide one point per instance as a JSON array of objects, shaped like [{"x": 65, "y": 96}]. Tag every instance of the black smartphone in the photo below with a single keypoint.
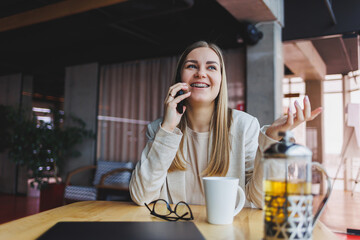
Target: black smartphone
[{"x": 180, "y": 105}]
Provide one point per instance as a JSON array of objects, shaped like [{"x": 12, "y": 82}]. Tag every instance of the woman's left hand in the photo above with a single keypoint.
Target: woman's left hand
[{"x": 290, "y": 121}]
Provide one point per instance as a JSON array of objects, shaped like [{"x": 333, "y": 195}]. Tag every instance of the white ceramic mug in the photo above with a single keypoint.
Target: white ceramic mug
[{"x": 220, "y": 198}]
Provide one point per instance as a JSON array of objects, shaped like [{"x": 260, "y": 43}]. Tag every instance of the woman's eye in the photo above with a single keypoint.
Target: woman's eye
[
  {"x": 191, "y": 66},
  {"x": 212, "y": 67}
]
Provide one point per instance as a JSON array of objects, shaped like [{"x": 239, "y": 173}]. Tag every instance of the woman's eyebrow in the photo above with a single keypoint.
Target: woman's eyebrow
[
  {"x": 212, "y": 62},
  {"x": 192, "y": 61},
  {"x": 208, "y": 62}
]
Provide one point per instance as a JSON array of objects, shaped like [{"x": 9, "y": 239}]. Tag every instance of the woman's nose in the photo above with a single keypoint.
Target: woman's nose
[{"x": 200, "y": 74}]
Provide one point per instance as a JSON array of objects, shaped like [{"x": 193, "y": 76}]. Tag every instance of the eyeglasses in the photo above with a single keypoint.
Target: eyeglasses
[{"x": 162, "y": 209}]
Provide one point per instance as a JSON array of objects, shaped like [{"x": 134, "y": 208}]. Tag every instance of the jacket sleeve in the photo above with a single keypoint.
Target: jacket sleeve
[
  {"x": 257, "y": 142},
  {"x": 150, "y": 173}
]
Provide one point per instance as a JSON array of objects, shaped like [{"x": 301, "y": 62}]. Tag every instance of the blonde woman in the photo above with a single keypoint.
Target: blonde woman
[{"x": 207, "y": 139}]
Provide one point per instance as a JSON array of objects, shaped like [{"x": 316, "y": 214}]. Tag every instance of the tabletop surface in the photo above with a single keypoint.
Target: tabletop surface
[{"x": 248, "y": 224}]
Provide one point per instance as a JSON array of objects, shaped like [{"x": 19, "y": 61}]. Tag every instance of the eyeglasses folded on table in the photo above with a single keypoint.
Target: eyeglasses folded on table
[{"x": 162, "y": 209}]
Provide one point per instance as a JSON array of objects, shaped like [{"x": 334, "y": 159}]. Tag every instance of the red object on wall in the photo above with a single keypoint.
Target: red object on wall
[{"x": 240, "y": 106}]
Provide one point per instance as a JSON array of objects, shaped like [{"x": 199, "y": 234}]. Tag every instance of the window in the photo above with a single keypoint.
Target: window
[{"x": 333, "y": 114}]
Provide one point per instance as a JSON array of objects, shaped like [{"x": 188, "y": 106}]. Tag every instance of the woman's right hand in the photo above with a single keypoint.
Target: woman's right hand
[{"x": 171, "y": 116}]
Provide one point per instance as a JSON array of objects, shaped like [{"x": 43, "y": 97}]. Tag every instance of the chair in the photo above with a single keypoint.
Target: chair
[{"x": 111, "y": 182}]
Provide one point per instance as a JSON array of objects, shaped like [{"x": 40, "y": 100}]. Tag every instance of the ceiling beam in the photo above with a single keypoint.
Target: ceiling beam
[
  {"x": 303, "y": 60},
  {"x": 51, "y": 12},
  {"x": 346, "y": 54},
  {"x": 255, "y": 10}
]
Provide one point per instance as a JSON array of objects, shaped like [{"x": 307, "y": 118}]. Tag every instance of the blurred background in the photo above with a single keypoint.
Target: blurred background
[{"x": 110, "y": 63}]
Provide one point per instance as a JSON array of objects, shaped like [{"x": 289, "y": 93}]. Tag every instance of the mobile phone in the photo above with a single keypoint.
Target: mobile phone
[{"x": 180, "y": 105}]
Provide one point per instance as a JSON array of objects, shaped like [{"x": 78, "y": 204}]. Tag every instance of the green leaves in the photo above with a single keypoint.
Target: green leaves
[{"x": 41, "y": 147}]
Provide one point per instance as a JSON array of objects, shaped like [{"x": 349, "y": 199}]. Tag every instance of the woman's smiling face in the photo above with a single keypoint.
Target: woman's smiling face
[{"x": 202, "y": 72}]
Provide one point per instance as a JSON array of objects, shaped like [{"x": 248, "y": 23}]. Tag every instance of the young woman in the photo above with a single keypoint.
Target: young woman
[{"x": 208, "y": 139}]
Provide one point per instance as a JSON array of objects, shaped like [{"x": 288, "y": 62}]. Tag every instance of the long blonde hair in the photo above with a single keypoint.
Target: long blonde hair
[{"x": 220, "y": 123}]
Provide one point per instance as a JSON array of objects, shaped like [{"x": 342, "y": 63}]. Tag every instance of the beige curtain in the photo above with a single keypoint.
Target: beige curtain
[{"x": 132, "y": 95}]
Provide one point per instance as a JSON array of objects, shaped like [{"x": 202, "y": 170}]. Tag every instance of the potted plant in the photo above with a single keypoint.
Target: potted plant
[{"x": 40, "y": 146}]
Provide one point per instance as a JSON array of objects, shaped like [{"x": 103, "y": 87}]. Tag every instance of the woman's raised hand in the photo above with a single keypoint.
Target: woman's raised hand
[
  {"x": 171, "y": 116},
  {"x": 290, "y": 121}
]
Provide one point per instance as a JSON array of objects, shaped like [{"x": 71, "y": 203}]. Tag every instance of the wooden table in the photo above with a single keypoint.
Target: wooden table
[{"x": 248, "y": 224}]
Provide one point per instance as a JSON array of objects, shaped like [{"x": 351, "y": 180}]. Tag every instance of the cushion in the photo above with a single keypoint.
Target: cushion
[
  {"x": 80, "y": 193},
  {"x": 106, "y": 166}
]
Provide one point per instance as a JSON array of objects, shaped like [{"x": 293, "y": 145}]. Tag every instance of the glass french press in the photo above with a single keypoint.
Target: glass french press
[{"x": 287, "y": 191}]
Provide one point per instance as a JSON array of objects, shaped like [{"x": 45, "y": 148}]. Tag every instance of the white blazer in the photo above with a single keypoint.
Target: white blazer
[{"x": 151, "y": 180}]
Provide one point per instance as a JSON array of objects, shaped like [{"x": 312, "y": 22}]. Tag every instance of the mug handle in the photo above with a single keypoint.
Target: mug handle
[
  {"x": 328, "y": 191},
  {"x": 241, "y": 203}
]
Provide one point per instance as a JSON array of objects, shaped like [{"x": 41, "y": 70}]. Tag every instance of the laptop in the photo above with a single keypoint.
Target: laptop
[{"x": 122, "y": 230}]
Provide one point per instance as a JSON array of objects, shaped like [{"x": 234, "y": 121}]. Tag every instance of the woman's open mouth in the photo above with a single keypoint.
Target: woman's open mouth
[{"x": 200, "y": 85}]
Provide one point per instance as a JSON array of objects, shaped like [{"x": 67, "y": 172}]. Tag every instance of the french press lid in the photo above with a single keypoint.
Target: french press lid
[{"x": 286, "y": 148}]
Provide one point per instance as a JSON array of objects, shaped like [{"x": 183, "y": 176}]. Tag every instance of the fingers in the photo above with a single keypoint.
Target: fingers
[
  {"x": 307, "y": 108},
  {"x": 293, "y": 119},
  {"x": 177, "y": 87},
  {"x": 290, "y": 118},
  {"x": 305, "y": 114},
  {"x": 299, "y": 112},
  {"x": 181, "y": 97},
  {"x": 315, "y": 113},
  {"x": 184, "y": 109},
  {"x": 172, "y": 101},
  {"x": 172, "y": 104}
]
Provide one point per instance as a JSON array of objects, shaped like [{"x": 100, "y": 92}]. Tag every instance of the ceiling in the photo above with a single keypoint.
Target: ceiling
[
  {"x": 130, "y": 30},
  {"x": 138, "y": 29},
  {"x": 339, "y": 52},
  {"x": 333, "y": 27},
  {"x": 127, "y": 31}
]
